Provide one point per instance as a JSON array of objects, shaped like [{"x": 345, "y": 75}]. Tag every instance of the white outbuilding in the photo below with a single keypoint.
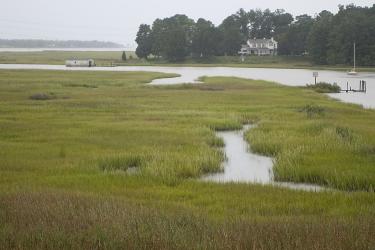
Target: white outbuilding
[{"x": 80, "y": 63}]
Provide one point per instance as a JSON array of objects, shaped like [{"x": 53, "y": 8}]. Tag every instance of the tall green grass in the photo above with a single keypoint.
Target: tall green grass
[
  {"x": 65, "y": 183},
  {"x": 75, "y": 221}
]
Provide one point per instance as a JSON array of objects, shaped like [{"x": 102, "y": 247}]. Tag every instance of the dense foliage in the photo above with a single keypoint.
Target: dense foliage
[{"x": 328, "y": 38}]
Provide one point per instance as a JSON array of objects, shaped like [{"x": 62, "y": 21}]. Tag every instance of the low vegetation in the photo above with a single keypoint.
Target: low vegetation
[
  {"x": 323, "y": 87},
  {"x": 64, "y": 165},
  {"x": 102, "y": 58},
  {"x": 42, "y": 96}
]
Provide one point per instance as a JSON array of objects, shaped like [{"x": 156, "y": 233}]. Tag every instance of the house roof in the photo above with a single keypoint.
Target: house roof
[{"x": 261, "y": 40}]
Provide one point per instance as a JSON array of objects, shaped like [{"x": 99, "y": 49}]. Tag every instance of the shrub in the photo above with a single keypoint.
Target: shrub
[
  {"x": 323, "y": 87},
  {"x": 344, "y": 133},
  {"x": 123, "y": 57},
  {"x": 42, "y": 97},
  {"x": 120, "y": 162},
  {"x": 313, "y": 110}
]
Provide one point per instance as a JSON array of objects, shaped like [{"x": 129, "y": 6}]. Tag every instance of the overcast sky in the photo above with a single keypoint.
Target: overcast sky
[{"x": 118, "y": 20}]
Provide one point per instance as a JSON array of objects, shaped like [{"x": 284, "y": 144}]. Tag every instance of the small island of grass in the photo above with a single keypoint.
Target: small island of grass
[{"x": 323, "y": 87}]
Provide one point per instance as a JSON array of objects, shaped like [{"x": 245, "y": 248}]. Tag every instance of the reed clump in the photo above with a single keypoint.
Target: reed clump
[
  {"x": 323, "y": 87},
  {"x": 43, "y": 96},
  {"x": 121, "y": 162}
]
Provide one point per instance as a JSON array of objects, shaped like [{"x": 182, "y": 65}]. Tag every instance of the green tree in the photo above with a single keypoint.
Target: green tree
[
  {"x": 261, "y": 23},
  {"x": 144, "y": 41},
  {"x": 318, "y": 37},
  {"x": 294, "y": 40},
  {"x": 205, "y": 39},
  {"x": 242, "y": 19},
  {"x": 352, "y": 24},
  {"x": 157, "y": 37},
  {"x": 281, "y": 22},
  {"x": 267, "y": 24},
  {"x": 172, "y": 37},
  {"x": 232, "y": 38},
  {"x": 123, "y": 57}
]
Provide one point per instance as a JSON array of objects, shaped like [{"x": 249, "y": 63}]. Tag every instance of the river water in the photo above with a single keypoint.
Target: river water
[
  {"x": 290, "y": 77},
  {"x": 243, "y": 166}
]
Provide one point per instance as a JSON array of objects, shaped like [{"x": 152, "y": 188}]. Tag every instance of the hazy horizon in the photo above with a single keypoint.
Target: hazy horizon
[{"x": 118, "y": 21}]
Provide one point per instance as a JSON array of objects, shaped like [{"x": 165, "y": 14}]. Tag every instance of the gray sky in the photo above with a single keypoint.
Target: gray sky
[{"x": 118, "y": 20}]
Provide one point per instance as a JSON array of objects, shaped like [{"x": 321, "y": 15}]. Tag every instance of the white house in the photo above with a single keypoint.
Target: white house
[
  {"x": 259, "y": 47},
  {"x": 80, "y": 63}
]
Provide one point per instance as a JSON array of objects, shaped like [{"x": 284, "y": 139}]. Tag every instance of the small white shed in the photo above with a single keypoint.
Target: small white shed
[{"x": 80, "y": 63}]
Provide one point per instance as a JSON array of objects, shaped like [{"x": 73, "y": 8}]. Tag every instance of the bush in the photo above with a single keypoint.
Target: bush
[
  {"x": 42, "y": 97},
  {"x": 323, "y": 87},
  {"x": 120, "y": 162},
  {"x": 123, "y": 57},
  {"x": 313, "y": 110}
]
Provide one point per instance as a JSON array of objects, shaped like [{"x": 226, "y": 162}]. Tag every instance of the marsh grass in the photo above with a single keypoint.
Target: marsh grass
[
  {"x": 63, "y": 162},
  {"x": 312, "y": 110},
  {"x": 102, "y": 58},
  {"x": 121, "y": 162},
  {"x": 85, "y": 221},
  {"x": 80, "y": 85},
  {"x": 216, "y": 142}
]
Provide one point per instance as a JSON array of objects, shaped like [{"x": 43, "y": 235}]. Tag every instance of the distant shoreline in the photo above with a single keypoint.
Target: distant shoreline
[{"x": 59, "y": 49}]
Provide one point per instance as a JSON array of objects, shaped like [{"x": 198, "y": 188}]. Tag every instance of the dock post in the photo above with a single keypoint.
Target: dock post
[{"x": 365, "y": 86}]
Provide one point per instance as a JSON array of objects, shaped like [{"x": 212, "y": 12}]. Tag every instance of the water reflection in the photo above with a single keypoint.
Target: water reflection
[{"x": 242, "y": 165}]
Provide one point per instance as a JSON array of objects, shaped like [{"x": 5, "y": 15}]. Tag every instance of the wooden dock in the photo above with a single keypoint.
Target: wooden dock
[{"x": 362, "y": 88}]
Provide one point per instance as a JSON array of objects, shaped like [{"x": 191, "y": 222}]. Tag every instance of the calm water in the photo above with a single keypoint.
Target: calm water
[
  {"x": 243, "y": 166},
  {"x": 291, "y": 77}
]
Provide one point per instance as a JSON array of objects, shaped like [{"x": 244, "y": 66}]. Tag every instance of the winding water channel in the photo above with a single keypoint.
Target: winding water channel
[{"x": 243, "y": 166}]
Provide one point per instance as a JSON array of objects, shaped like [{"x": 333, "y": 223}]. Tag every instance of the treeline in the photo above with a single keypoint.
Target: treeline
[
  {"x": 327, "y": 38},
  {"x": 36, "y": 43}
]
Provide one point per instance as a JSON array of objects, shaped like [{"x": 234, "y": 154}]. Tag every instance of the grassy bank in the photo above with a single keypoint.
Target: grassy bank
[
  {"x": 102, "y": 58},
  {"x": 108, "y": 58},
  {"x": 65, "y": 182}
]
